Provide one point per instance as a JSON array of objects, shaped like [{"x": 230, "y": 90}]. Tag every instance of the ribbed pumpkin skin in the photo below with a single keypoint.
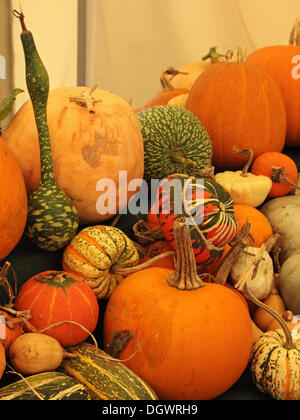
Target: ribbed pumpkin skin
[
  {"x": 215, "y": 212},
  {"x": 276, "y": 370},
  {"x": 195, "y": 344},
  {"x": 92, "y": 253},
  {"x": 239, "y": 105},
  {"x": 49, "y": 385},
  {"x": 277, "y": 61},
  {"x": 169, "y": 130},
  {"x": 105, "y": 379},
  {"x": 65, "y": 299},
  {"x": 13, "y": 210},
  {"x": 86, "y": 147}
]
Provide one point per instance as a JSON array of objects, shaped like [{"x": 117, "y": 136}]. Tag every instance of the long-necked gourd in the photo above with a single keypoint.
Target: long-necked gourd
[{"x": 52, "y": 218}]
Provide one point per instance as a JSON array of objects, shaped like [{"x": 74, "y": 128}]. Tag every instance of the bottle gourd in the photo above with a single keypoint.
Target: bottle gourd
[{"x": 52, "y": 218}]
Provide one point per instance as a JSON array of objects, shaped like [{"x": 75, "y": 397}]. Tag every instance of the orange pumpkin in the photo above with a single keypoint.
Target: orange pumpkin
[
  {"x": 13, "y": 210},
  {"x": 285, "y": 168},
  {"x": 2, "y": 360},
  {"x": 55, "y": 296},
  {"x": 86, "y": 148},
  {"x": 240, "y": 105},
  {"x": 12, "y": 330},
  {"x": 195, "y": 338},
  {"x": 282, "y": 63},
  {"x": 260, "y": 229}
]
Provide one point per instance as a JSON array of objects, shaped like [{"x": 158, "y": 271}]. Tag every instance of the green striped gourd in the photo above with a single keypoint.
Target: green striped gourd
[
  {"x": 52, "y": 217},
  {"x": 175, "y": 141},
  {"x": 45, "y": 386},
  {"x": 105, "y": 378},
  {"x": 96, "y": 253}
]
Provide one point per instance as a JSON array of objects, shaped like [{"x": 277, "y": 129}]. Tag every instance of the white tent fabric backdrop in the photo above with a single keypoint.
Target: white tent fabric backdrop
[{"x": 128, "y": 42}]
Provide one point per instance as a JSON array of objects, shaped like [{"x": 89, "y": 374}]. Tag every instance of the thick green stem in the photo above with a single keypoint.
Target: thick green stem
[{"x": 178, "y": 156}]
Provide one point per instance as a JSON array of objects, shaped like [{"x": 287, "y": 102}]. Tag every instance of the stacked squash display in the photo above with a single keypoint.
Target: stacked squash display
[{"x": 201, "y": 286}]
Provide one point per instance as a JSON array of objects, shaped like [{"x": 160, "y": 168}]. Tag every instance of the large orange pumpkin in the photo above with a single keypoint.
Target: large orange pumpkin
[
  {"x": 53, "y": 297},
  {"x": 86, "y": 147},
  {"x": 282, "y": 63},
  {"x": 13, "y": 209},
  {"x": 240, "y": 105},
  {"x": 195, "y": 338}
]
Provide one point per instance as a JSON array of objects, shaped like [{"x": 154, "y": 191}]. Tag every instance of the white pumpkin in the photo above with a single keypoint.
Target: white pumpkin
[{"x": 283, "y": 215}]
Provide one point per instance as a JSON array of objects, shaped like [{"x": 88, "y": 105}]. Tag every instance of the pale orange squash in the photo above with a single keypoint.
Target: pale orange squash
[{"x": 87, "y": 146}]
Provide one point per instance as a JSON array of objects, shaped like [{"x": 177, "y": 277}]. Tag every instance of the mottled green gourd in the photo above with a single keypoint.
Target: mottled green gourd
[{"x": 52, "y": 218}]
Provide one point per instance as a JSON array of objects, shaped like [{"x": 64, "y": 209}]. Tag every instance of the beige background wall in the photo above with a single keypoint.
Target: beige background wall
[{"x": 128, "y": 42}]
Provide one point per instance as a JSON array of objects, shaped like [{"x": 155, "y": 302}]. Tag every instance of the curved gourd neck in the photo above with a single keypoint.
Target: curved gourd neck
[{"x": 37, "y": 81}]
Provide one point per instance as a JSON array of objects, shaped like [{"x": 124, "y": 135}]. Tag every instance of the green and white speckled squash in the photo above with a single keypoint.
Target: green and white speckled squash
[
  {"x": 105, "y": 379},
  {"x": 175, "y": 141},
  {"x": 95, "y": 254},
  {"x": 47, "y": 386},
  {"x": 52, "y": 218}
]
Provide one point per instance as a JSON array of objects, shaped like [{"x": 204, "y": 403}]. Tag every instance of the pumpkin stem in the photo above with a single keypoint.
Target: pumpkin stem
[
  {"x": 87, "y": 100},
  {"x": 213, "y": 55},
  {"x": 21, "y": 17},
  {"x": 289, "y": 340},
  {"x": 279, "y": 175},
  {"x": 178, "y": 156},
  {"x": 295, "y": 34},
  {"x": 185, "y": 276},
  {"x": 172, "y": 72},
  {"x": 266, "y": 247},
  {"x": 237, "y": 55},
  {"x": 5, "y": 283},
  {"x": 238, "y": 244},
  {"x": 245, "y": 152}
]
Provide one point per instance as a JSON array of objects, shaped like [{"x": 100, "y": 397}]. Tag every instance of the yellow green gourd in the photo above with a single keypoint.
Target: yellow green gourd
[{"x": 52, "y": 218}]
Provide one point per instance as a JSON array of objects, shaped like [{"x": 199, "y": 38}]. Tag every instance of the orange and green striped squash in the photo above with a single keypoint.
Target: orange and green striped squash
[
  {"x": 275, "y": 368},
  {"x": 57, "y": 297},
  {"x": 95, "y": 252}
]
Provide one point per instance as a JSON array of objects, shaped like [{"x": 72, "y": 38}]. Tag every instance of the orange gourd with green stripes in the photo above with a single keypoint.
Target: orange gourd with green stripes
[
  {"x": 56, "y": 296},
  {"x": 96, "y": 253}
]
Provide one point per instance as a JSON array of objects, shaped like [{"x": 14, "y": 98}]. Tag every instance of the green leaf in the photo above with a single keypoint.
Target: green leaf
[{"x": 7, "y": 103}]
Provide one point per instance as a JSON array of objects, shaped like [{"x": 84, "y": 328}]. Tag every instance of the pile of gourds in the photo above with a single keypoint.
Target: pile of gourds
[{"x": 194, "y": 296}]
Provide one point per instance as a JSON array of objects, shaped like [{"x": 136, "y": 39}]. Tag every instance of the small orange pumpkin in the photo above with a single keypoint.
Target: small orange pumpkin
[
  {"x": 280, "y": 168},
  {"x": 54, "y": 297},
  {"x": 260, "y": 229}
]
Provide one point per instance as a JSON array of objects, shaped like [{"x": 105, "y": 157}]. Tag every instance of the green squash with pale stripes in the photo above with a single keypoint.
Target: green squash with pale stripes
[
  {"x": 175, "y": 141},
  {"x": 45, "y": 386},
  {"x": 105, "y": 379},
  {"x": 52, "y": 218}
]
